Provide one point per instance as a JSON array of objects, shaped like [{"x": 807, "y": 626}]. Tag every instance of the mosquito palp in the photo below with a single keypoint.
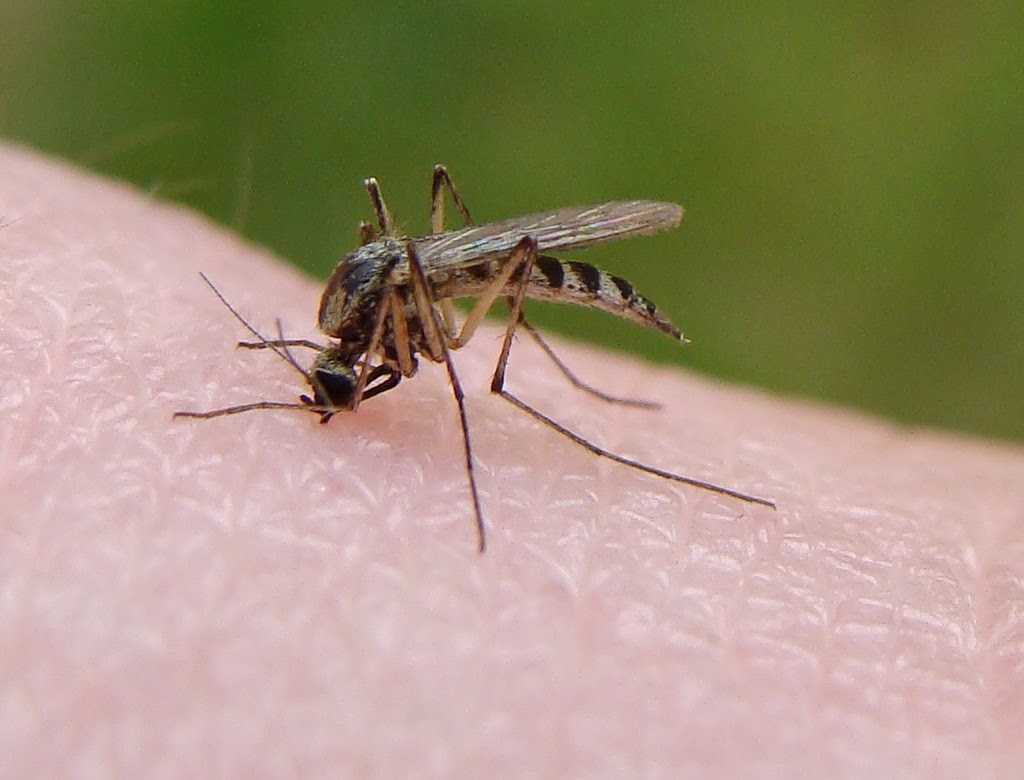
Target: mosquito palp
[{"x": 390, "y": 301}]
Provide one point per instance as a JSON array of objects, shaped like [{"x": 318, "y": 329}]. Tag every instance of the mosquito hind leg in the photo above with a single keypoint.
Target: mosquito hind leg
[
  {"x": 524, "y": 256},
  {"x": 498, "y": 386},
  {"x": 601, "y": 452},
  {"x": 574, "y": 380}
]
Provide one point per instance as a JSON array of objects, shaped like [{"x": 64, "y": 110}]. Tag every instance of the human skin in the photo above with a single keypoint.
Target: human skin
[{"x": 264, "y": 596}]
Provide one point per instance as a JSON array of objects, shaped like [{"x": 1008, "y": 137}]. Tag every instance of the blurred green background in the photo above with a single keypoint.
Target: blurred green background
[{"x": 853, "y": 176}]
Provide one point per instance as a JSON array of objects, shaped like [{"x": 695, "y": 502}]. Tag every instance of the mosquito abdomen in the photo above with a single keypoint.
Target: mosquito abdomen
[{"x": 564, "y": 281}]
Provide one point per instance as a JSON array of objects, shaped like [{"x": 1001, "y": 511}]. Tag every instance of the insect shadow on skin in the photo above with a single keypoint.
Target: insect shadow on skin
[{"x": 390, "y": 301}]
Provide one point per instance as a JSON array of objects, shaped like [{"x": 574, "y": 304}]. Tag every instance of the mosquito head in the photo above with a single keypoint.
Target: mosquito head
[
  {"x": 333, "y": 378},
  {"x": 357, "y": 289}
]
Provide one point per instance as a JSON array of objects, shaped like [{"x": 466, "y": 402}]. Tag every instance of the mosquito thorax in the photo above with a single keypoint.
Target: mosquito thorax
[{"x": 356, "y": 288}]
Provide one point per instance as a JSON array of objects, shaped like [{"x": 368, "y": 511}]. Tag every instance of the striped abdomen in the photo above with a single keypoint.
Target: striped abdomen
[{"x": 564, "y": 282}]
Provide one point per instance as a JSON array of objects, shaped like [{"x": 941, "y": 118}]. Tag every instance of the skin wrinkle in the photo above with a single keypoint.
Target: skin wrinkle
[{"x": 271, "y": 592}]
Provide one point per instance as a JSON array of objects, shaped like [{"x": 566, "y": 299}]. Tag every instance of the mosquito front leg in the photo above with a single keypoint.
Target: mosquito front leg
[
  {"x": 374, "y": 346},
  {"x": 305, "y": 407},
  {"x": 283, "y": 343}
]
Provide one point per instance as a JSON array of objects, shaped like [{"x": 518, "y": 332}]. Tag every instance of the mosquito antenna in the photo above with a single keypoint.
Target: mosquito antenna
[
  {"x": 284, "y": 355},
  {"x": 287, "y": 352}
]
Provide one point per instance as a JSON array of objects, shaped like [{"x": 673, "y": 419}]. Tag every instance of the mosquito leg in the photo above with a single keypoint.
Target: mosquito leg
[
  {"x": 573, "y": 379},
  {"x": 400, "y": 328},
  {"x": 427, "y": 315},
  {"x": 375, "y": 339},
  {"x": 520, "y": 261},
  {"x": 387, "y": 227},
  {"x": 392, "y": 378},
  {"x": 305, "y": 407},
  {"x": 270, "y": 344},
  {"x": 441, "y": 180},
  {"x": 449, "y": 318},
  {"x": 523, "y": 256},
  {"x": 627, "y": 461},
  {"x": 528, "y": 246}
]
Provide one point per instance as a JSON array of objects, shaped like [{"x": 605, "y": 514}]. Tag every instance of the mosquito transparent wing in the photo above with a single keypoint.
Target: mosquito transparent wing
[{"x": 574, "y": 227}]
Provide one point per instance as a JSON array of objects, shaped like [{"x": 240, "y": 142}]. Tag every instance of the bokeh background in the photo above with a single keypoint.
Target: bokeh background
[{"x": 853, "y": 175}]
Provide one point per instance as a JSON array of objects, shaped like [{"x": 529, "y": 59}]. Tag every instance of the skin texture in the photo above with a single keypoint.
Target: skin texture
[{"x": 264, "y": 596}]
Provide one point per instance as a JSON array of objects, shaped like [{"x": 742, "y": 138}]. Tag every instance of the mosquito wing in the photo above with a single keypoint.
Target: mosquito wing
[{"x": 574, "y": 227}]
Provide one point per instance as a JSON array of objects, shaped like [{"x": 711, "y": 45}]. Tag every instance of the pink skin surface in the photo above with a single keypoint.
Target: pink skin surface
[{"x": 263, "y": 596}]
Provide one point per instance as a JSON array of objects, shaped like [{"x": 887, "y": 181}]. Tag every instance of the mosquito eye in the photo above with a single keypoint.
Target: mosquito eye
[{"x": 339, "y": 387}]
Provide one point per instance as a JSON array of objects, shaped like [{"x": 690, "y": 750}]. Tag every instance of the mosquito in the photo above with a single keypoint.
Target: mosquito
[{"x": 389, "y": 302}]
